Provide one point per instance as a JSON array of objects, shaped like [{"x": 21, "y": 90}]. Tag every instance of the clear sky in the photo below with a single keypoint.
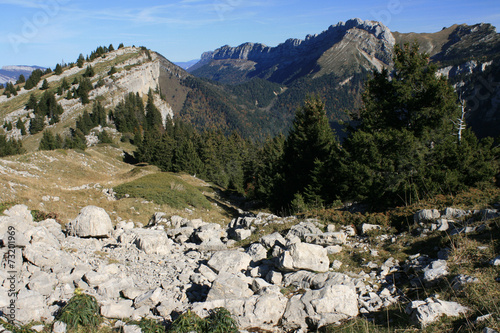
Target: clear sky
[{"x": 45, "y": 32}]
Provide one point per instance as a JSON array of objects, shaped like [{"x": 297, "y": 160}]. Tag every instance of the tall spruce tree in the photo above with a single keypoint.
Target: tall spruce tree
[{"x": 309, "y": 151}]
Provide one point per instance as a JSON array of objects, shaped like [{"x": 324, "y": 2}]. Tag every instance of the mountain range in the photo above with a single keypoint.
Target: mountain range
[
  {"x": 255, "y": 89},
  {"x": 12, "y": 73}
]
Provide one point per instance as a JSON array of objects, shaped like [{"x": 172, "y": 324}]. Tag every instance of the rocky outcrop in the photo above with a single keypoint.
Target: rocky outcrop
[
  {"x": 279, "y": 283},
  {"x": 282, "y": 63}
]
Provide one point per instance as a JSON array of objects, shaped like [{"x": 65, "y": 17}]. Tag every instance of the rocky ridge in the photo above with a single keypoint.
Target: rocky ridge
[
  {"x": 137, "y": 73},
  {"x": 373, "y": 39},
  {"x": 282, "y": 282}
]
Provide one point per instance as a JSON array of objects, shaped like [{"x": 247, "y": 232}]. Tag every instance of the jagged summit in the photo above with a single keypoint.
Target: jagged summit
[{"x": 297, "y": 57}]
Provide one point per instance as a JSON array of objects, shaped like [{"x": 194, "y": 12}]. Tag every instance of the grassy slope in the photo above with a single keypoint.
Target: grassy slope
[{"x": 64, "y": 181}]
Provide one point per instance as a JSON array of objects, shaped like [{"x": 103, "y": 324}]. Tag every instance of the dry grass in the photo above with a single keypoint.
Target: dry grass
[{"x": 65, "y": 181}]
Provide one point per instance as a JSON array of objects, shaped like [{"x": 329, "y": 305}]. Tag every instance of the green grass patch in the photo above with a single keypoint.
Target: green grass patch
[
  {"x": 219, "y": 320},
  {"x": 82, "y": 310},
  {"x": 164, "y": 189}
]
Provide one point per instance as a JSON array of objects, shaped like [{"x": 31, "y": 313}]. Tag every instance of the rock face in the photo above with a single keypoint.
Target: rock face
[{"x": 283, "y": 62}]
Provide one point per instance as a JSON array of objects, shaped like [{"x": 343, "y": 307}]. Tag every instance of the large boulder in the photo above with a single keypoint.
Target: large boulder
[
  {"x": 229, "y": 286},
  {"x": 152, "y": 241},
  {"x": 321, "y": 307},
  {"x": 121, "y": 310},
  {"x": 91, "y": 222},
  {"x": 303, "y": 256},
  {"x": 230, "y": 261},
  {"x": 425, "y": 215}
]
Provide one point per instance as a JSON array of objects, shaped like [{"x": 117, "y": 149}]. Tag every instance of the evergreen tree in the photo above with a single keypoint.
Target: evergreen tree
[
  {"x": 89, "y": 72},
  {"x": 111, "y": 48},
  {"x": 153, "y": 119},
  {"x": 80, "y": 61},
  {"x": 112, "y": 70},
  {"x": 33, "y": 80},
  {"x": 120, "y": 46},
  {"x": 98, "y": 115},
  {"x": 37, "y": 124},
  {"x": 308, "y": 155},
  {"x": 10, "y": 147},
  {"x": 58, "y": 70},
  {"x": 32, "y": 103},
  {"x": 83, "y": 90},
  {"x": 21, "y": 79},
  {"x": 49, "y": 141},
  {"x": 45, "y": 85},
  {"x": 403, "y": 146},
  {"x": 20, "y": 126},
  {"x": 104, "y": 137}
]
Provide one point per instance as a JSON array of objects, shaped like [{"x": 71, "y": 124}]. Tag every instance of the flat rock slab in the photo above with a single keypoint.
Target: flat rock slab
[{"x": 303, "y": 256}]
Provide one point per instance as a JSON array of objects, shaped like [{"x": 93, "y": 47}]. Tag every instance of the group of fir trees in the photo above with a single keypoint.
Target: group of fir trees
[
  {"x": 10, "y": 147},
  {"x": 46, "y": 107},
  {"x": 76, "y": 139}
]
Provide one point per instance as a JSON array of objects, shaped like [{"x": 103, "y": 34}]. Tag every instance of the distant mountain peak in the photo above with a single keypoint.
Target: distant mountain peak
[{"x": 297, "y": 57}]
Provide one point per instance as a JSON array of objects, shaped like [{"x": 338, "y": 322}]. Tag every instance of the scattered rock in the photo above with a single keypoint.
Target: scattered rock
[{"x": 425, "y": 312}]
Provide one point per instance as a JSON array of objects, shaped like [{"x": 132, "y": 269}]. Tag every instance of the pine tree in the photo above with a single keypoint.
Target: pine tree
[
  {"x": 89, "y": 72},
  {"x": 45, "y": 85},
  {"x": 49, "y": 141},
  {"x": 58, "y": 70},
  {"x": 21, "y": 79},
  {"x": 308, "y": 153},
  {"x": 32, "y": 103},
  {"x": 402, "y": 147},
  {"x": 154, "y": 121},
  {"x": 37, "y": 124},
  {"x": 112, "y": 70},
  {"x": 80, "y": 61},
  {"x": 20, "y": 126}
]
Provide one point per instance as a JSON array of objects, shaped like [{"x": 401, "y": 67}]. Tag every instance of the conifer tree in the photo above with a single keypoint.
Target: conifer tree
[
  {"x": 154, "y": 121},
  {"x": 20, "y": 126},
  {"x": 21, "y": 79},
  {"x": 32, "y": 103},
  {"x": 403, "y": 145},
  {"x": 37, "y": 124},
  {"x": 49, "y": 141},
  {"x": 309, "y": 151},
  {"x": 80, "y": 61},
  {"x": 58, "y": 70},
  {"x": 45, "y": 85}
]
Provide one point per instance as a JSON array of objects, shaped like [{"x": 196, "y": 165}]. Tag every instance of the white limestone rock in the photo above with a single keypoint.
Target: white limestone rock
[
  {"x": 230, "y": 261},
  {"x": 91, "y": 222},
  {"x": 425, "y": 312},
  {"x": 303, "y": 256}
]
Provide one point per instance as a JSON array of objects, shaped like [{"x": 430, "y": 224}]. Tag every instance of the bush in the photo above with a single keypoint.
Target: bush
[
  {"x": 81, "y": 310},
  {"x": 218, "y": 321}
]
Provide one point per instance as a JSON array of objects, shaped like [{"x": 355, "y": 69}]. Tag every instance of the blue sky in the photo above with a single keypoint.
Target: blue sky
[{"x": 45, "y": 32}]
